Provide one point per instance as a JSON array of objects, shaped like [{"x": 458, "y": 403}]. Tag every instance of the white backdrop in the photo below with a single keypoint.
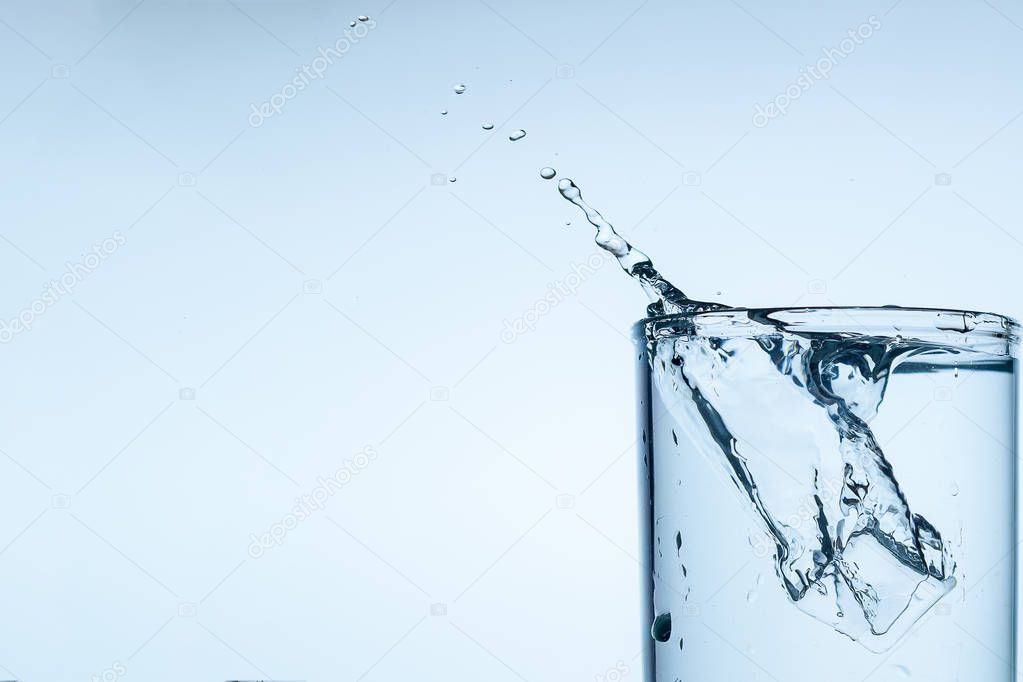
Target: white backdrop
[{"x": 245, "y": 305}]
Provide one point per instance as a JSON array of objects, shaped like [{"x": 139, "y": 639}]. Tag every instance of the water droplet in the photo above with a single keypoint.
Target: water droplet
[
  {"x": 452, "y": 179},
  {"x": 678, "y": 542},
  {"x": 752, "y": 596},
  {"x": 903, "y": 671},
  {"x": 955, "y": 489},
  {"x": 567, "y": 223},
  {"x": 488, "y": 126},
  {"x": 517, "y": 135},
  {"x": 661, "y": 629},
  {"x": 681, "y": 643},
  {"x": 443, "y": 112},
  {"x": 460, "y": 88},
  {"x": 351, "y": 24},
  {"x": 547, "y": 172},
  {"x": 363, "y": 17}
]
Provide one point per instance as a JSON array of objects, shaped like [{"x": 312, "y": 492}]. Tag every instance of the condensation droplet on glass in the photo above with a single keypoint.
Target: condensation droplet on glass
[
  {"x": 547, "y": 172},
  {"x": 517, "y": 135},
  {"x": 661, "y": 629},
  {"x": 955, "y": 489},
  {"x": 460, "y": 88},
  {"x": 351, "y": 24},
  {"x": 443, "y": 112},
  {"x": 752, "y": 596},
  {"x": 363, "y": 17},
  {"x": 681, "y": 643},
  {"x": 488, "y": 126},
  {"x": 452, "y": 179}
]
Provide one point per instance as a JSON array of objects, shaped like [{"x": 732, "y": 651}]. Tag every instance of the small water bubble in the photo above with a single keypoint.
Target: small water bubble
[
  {"x": 460, "y": 88},
  {"x": 547, "y": 172},
  {"x": 661, "y": 629},
  {"x": 351, "y": 24},
  {"x": 488, "y": 126},
  {"x": 363, "y": 17},
  {"x": 452, "y": 179},
  {"x": 567, "y": 223},
  {"x": 443, "y": 112},
  {"x": 955, "y": 489},
  {"x": 517, "y": 135}
]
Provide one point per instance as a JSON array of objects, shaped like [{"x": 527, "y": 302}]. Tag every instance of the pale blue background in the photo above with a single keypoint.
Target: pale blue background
[{"x": 320, "y": 294}]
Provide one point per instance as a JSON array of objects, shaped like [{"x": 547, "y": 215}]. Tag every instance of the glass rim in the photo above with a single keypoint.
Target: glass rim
[{"x": 945, "y": 325}]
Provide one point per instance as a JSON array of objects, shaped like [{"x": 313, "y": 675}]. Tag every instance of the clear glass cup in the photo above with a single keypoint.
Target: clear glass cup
[{"x": 830, "y": 495}]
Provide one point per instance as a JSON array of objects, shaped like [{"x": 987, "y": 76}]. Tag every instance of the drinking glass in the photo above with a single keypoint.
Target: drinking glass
[{"x": 829, "y": 494}]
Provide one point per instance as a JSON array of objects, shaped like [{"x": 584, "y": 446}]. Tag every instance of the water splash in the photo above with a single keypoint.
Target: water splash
[
  {"x": 860, "y": 559},
  {"x": 665, "y": 298}
]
